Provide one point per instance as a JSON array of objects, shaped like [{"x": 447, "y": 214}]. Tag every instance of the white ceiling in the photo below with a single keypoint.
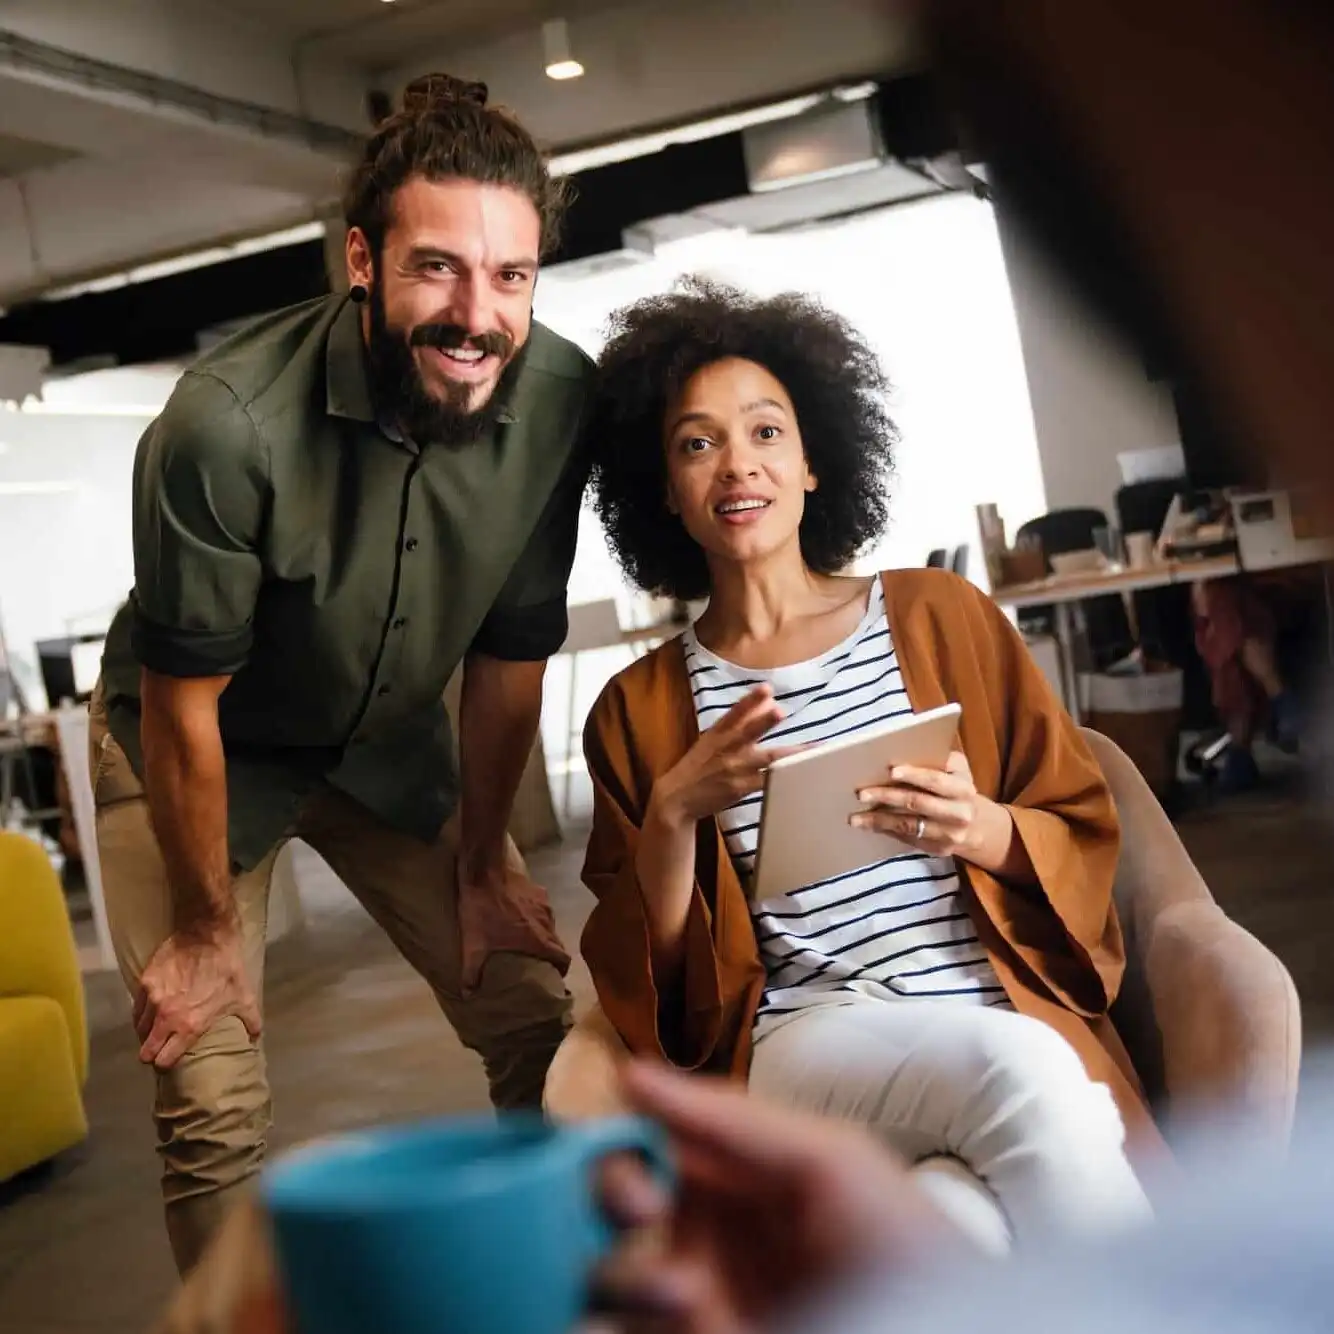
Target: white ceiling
[{"x": 374, "y": 35}]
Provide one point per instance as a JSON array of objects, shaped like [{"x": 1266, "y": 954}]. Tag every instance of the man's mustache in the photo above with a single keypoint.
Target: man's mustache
[{"x": 446, "y": 336}]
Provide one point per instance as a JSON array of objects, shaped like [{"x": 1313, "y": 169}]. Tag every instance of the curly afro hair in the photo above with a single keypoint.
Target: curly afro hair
[{"x": 836, "y": 385}]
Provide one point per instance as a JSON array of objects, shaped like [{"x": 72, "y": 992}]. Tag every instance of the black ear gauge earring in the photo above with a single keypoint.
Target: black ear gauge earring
[{"x": 358, "y": 292}]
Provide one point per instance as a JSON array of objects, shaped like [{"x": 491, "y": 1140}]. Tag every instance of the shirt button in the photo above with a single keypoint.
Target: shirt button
[
  {"x": 399, "y": 622},
  {"x": 410, "y": 544},
  {"x": 383, "y": 690}
]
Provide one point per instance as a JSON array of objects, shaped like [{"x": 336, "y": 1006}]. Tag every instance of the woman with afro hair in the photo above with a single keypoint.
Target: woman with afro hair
[{"x": 954, "y": 998}]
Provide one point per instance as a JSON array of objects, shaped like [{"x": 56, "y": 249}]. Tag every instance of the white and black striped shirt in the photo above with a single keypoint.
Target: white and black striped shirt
[{"x": 896, "y": 930}]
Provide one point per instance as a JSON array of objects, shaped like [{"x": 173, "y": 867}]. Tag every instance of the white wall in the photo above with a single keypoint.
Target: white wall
[
  {"x": 66, "y": 560},
  {"x": 65, "y": 547},
  {"x": 1091, "y": 396}
]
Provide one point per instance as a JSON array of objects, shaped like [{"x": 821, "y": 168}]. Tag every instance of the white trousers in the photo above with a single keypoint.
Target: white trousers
[{"x": 1004, "y": 1094}]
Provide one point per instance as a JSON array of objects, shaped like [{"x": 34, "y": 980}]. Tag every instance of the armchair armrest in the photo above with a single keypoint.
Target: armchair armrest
[
  {"x": 1210, "y": 1016},
  {"x": 1229, "y": 1018},
  {"x": 582, "y": 1082}
]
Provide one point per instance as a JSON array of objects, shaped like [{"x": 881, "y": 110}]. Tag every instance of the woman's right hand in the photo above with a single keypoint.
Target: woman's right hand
[{"x": 724, "y": 765}]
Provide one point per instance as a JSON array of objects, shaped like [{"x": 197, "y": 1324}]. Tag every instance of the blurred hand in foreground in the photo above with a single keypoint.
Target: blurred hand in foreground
[{"x": 772, "y": 1209}]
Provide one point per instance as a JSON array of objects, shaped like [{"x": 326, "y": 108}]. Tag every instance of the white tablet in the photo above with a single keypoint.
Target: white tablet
[{"x": 808, "y": 798}]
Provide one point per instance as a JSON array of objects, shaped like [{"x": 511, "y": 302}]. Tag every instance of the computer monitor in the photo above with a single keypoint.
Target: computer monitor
[
  {"x": 86, "y": 659},
  {"x": 70, "y": 667}
]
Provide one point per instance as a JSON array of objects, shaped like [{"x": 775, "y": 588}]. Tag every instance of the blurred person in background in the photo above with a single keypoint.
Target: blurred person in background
[
  {"x": 1236, "y": 634},
  {"x": 338, "y": 508}
]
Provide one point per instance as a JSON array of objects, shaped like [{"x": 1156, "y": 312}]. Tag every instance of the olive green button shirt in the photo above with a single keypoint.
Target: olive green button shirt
[{"x": 335, "y": 571}]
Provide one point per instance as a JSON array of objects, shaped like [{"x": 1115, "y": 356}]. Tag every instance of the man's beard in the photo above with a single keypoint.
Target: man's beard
[{"x": 401, "y": 393}]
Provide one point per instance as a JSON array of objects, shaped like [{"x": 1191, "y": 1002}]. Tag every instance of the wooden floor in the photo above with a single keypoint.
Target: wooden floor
[{"x": 1269, "y": 860}]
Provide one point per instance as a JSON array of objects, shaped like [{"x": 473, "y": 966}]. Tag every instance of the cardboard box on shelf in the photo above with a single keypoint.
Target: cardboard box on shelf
[{"x": 1023, "y": 566}]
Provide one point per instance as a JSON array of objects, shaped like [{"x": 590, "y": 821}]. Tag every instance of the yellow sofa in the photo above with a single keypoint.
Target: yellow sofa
[{"x": 43, "y": 1028}]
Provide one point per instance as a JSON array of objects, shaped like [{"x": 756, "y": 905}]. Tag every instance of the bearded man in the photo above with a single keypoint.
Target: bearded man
[{"x": 338, "y": 508}]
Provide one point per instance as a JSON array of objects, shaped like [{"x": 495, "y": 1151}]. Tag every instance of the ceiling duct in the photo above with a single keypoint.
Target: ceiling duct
[
  {"x": 51, "y": 66},
  {"x": 836, "y": 138}
]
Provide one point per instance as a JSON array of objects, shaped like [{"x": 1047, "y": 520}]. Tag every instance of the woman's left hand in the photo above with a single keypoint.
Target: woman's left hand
[{"x": 939, "y": 812}]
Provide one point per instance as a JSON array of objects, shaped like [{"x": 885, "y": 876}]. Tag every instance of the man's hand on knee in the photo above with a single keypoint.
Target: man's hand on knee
[{"x": 193, "y": 979}]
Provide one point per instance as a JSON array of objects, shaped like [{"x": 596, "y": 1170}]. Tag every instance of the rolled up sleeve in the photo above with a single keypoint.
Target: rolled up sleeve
[
  {"x": 529, "y": 619},
  {"x": 200, "y": 497}
]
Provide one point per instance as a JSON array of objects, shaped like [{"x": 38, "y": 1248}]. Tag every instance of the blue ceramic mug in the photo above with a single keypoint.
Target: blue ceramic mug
[{"x": 462, "y": 1226}]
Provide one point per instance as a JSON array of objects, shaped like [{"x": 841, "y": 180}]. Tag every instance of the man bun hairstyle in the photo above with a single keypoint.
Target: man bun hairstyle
[
  {"x": 433, "y": 91},
  {"x": 445, "y": 128}
]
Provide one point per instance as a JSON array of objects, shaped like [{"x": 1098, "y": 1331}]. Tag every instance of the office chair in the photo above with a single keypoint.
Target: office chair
[{"x": 1110, "y": 636}]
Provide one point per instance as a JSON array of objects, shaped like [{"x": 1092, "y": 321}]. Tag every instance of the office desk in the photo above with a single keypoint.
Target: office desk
[{"x": 1061, "y": 592}]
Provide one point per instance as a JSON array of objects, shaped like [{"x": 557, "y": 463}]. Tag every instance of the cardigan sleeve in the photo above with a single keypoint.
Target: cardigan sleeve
[
  {"x": 685, "y": 1026},
  {"x": 1065, "y": 816}
]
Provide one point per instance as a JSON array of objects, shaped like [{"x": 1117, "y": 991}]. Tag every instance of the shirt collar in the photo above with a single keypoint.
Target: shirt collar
[
  {"x": 348, "y": 386},
  {"x": 511, "y": 393},
  {"x": 347, "y": 379}
]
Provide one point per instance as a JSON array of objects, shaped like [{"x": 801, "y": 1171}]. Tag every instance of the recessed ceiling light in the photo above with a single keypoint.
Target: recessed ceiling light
[{"x": 560, "y": 64}]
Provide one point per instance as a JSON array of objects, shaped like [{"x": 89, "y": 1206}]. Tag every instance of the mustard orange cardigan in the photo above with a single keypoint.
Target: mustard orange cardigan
[{"x": 1056, "y": 946}]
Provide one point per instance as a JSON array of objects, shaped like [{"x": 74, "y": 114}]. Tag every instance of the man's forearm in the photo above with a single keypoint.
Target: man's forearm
[
  {"x": 185, "y": 781},
  {"x": 499, "y": 717}
]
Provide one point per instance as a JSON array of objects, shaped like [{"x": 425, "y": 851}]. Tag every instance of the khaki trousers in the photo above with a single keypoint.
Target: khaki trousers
[{"x": 213, "y": 1108}]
